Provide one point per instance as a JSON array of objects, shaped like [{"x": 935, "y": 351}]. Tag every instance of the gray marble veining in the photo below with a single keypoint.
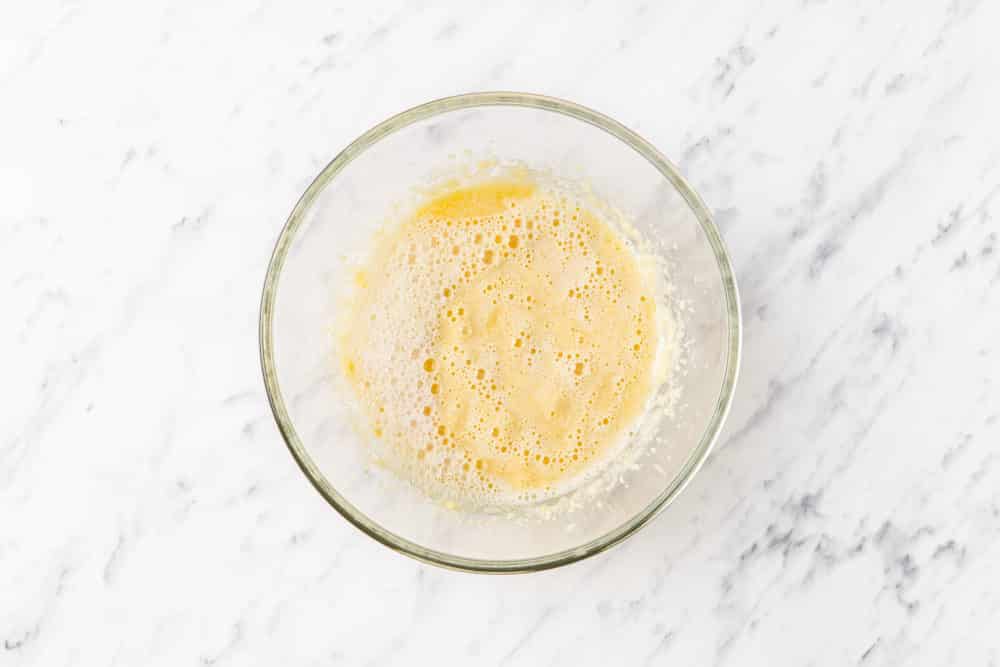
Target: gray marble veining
[{"x": 149, "y": 153}]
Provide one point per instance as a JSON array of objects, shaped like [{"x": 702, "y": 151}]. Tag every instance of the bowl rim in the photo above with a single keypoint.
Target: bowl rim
[{"x": 402, "y": 545}]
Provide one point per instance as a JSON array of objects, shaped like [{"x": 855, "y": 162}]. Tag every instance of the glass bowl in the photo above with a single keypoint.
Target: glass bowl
[{"x": 352, "y": 196}]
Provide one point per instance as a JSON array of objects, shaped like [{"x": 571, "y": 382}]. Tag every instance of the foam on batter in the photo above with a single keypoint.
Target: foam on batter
[{"x": 500, "y": 341}]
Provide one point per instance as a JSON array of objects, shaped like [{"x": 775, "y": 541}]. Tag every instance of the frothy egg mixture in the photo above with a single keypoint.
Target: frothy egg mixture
[{"x": 500, "y": 342}]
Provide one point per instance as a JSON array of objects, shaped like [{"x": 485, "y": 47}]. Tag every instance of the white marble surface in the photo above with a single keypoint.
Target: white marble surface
[{"x": 149, "y": 512}]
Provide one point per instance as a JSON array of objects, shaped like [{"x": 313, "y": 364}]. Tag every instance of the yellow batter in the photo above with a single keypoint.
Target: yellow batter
[{"x": 501, "y": 341}]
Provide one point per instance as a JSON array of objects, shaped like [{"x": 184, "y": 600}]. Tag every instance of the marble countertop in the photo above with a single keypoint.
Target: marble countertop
[{"x": 149, "y": 511}]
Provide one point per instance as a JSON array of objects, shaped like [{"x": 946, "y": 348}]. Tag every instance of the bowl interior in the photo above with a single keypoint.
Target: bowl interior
[{"x": 333, "y": 224}]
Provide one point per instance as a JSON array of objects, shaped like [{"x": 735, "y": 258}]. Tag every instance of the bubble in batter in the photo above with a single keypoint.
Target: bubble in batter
[{"x": 500, "y": 341}]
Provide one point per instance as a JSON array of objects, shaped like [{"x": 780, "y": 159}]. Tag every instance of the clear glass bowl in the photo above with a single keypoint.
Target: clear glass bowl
[{"x": 338, "y": 213}]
